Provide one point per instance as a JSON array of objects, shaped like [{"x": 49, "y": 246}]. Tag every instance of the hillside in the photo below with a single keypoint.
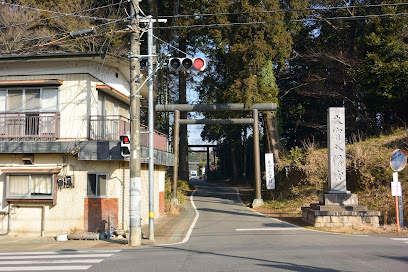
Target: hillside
[{"x": 304, "y": 173}]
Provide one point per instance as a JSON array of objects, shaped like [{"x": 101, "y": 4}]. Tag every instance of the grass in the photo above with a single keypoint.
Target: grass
[
  {"x": 304, "y": 173},
  {"x": 183, "y": 189},
  {"x": 289, "y": 211}
]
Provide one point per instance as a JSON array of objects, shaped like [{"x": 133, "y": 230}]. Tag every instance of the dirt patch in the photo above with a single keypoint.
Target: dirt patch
[
  {"x": 291, "y": 213},
  {"x": 290, "y": 217}
]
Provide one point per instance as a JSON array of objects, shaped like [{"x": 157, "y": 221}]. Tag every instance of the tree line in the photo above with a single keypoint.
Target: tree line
[{"x": 306, "y": 56}]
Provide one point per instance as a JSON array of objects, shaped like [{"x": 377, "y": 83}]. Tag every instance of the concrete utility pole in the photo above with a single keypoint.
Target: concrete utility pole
[
  {"x": 135, "y": 228},
  {"x": 151, "y": 54},
  {"x": 150, "y": 49},
  {"x": 176, "y": 140}
]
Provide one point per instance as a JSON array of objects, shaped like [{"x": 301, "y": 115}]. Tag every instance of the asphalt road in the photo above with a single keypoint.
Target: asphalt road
[{"x": 230, "y": 237}]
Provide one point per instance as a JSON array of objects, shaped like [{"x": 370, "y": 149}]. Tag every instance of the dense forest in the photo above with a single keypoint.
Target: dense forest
[{"x": 305, "y": 56}]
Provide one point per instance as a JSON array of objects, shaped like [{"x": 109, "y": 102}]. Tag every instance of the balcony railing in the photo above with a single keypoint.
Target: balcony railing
[
  {"x": 160, "y": 140},
  {"x": 29, "y": 126},
  {"x": 110, "y": 127}
]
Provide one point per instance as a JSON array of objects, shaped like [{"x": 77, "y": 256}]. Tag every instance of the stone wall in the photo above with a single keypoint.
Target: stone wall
[{"x": 332, "y": 219}]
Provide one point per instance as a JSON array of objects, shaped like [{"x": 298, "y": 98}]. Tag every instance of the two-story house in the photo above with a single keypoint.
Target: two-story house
[{"x": 61, "y": 115}]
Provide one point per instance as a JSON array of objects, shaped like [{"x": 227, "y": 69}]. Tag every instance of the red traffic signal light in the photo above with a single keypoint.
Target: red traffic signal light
[
  {"x": 125, "y": 139},
  {"x": 199, "y": 64},
  {"x": 186, "y": 64},
  {"x": 125, "y": 146}
]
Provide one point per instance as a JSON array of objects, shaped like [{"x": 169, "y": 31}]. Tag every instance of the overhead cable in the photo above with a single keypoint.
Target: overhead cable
[
  {"x": 281, "y": 10},
  {"x": 60, "y": 15},
  {"x": 60, "y": 34},
  {"x": 110, "y": 39},
  {"x": 181, "y": 51},
  {"x": 343, "y": 18},
  {"x": 60, "y": 41}
]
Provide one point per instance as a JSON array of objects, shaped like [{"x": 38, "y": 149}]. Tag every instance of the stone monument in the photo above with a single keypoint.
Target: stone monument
[{"x": 338, "y": 207}]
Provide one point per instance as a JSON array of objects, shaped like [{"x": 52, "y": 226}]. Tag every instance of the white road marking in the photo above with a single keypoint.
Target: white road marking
[
  {"x": 51, "y": 261},
  {"x": 44, "y": 268},
  {"x": 56, "y": 256},
  {"x": 59, "y": 252},
  {"x": 190, "y": 230},
  {"x": 263, "y": 229},
  {"x": 399, "y": 239},
  {"x": 335, "y": 233}
]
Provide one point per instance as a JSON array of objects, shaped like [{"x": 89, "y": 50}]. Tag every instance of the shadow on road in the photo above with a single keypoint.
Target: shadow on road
[{"x": 265, "y": 263}]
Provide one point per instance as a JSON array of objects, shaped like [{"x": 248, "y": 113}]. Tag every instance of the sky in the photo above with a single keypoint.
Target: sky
[{"x": 194, "y": 131}]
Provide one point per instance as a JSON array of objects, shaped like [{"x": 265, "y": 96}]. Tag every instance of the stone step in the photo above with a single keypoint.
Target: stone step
[{"x": 338, "y": 208}]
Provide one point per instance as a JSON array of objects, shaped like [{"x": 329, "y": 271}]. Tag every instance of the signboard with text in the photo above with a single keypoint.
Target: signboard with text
[
  {"x": 270, "y": 173},
  {"x": 396, "y": 188}
]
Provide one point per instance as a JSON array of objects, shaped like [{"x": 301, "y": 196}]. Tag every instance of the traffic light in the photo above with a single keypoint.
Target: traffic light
[
  {"x": 125, "y": 145},
  {"x": 186, "y": 64}
]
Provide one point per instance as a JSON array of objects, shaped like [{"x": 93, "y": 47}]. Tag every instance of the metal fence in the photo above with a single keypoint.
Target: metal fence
[
  {"x": 29, "y": 126},
  {"x": 110, "y": 127}
]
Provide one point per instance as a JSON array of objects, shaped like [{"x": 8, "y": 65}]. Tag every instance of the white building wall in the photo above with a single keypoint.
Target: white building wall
[
  {"x": 77, "y": 100},
  {"x": 108, "y": 75},
  {"x": 68, "y": 214}
]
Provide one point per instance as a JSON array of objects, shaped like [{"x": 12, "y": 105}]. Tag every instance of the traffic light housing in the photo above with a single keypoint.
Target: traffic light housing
[
  {"x": 186, "y": 64},
  {"x": 125, "y": 145}
]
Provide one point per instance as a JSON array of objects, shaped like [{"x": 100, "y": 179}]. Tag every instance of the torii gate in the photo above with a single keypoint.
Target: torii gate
[
  {"x": 176, "y": 108},
  {"x": 207, "y": 147}
]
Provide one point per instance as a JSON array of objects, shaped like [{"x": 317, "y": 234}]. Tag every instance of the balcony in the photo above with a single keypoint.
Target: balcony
[
  {"x": 110, "y": 127},
  {"x": 29, "y": 126}
]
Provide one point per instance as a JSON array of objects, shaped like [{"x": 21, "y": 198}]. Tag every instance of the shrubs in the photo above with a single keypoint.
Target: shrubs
[
  {"x": 182, "y": 188},
  {"x": 305, "y": 173}
]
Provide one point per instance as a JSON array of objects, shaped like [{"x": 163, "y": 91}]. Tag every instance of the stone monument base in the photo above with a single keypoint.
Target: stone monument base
[{"x": 339, "y": 209}]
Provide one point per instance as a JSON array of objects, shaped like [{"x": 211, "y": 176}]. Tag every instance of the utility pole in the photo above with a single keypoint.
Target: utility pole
[
  {"x": 150, "y": 53},
  {"x": 135, "y": 228}
]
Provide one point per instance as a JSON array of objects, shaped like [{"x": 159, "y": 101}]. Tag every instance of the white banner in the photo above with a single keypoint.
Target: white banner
[
  {"x": 270, "y": 173},
  {"x": 396, "y": 189}
]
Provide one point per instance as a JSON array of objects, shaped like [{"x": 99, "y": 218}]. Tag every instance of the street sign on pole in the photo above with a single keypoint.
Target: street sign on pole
[
  {"x": 270, "y": 173},
  {"x": 398, "y": 161}
]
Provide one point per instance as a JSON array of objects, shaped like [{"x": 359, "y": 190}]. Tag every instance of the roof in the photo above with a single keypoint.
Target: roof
[{"x": 121, "y": 63}]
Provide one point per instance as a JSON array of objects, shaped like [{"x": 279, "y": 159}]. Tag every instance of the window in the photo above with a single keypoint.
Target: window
[
  {"x": 29, "y": 99},
  {"x": 96, "y": 185},
  {"x": 37, "y": 186}
]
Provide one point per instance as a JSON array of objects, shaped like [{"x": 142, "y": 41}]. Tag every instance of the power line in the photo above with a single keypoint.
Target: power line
[
  {"x": 58, "y": 16},
  {"x": 34, "y": 38},
  {"x": 110, "y": 40},
  {"x": 281, "y": 10},
  {"x": 66, "y": 33},
  {"x": 57, "y": 12},
  {"x": 56, "y": 42},
  {"x": 52, "y": 43},
  {"x": 60, "y": 34},
  {"x": 181, "y": 51},
  {"x": 350, "y": 18}
]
